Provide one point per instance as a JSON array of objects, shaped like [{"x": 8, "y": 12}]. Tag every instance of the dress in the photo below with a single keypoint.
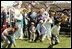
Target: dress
[
  {"x": 19, "y": 23},
  {"x": 48, "y": 28},
  {"x": 47, "y": 23}
]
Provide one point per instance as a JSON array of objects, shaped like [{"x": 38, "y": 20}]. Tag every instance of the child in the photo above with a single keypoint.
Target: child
[
  {"x": 41, "y": 30},
  {"x": 55, "y": 33},
  {"x": 32, "y": 31}
]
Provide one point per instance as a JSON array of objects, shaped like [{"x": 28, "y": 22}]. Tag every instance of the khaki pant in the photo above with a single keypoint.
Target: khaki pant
[{"x": 32, "y": 36}]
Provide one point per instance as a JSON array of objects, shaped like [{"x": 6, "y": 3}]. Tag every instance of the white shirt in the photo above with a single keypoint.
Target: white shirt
[
  {"x": 55, "y": 30},
  {"x": 18, "y": 15}
]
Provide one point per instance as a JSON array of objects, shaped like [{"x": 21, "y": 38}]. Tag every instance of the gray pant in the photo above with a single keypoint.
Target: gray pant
[{"x": 55, "y": 39}]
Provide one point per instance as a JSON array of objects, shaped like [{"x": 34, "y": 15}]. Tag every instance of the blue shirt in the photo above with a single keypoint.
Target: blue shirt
[{"x": 41, "y": 29}]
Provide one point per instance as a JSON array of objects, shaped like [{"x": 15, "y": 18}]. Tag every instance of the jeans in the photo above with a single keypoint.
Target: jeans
[
  {"x": 9, "y": 40},
  {"x": 32, "y": 36},
  {"x": 12, "y": 40}
]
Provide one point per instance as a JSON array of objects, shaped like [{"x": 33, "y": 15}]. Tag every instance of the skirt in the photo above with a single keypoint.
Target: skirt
[{"x": 48, "y": 28}]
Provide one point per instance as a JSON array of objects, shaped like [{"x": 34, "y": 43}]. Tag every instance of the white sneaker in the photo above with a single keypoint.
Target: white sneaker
[{"x": 20, "y": 38}]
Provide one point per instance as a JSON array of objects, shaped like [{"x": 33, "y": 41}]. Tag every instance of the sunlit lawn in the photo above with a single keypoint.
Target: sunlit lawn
[{"x": 65, "y": 42}]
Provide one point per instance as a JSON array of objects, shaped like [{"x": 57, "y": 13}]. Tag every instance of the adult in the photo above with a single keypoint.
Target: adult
[{"x": 19, "y": 23}]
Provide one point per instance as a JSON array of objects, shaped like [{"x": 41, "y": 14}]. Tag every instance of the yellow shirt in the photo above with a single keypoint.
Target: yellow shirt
[{"x": 25, "y": 10}]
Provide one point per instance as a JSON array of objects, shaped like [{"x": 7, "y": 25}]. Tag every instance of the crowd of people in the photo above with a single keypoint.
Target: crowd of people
[{"x": 31, "y": 24}]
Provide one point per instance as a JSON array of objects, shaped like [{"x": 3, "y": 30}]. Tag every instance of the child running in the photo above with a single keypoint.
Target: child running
[{"x": 55, "y": 34}]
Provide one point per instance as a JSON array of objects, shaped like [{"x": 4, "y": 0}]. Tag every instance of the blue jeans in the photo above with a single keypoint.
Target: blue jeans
[{"x": 10, "y": 39}]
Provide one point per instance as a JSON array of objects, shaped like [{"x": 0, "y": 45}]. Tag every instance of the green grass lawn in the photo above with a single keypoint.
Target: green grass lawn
[{"x": 65, "y": 42}]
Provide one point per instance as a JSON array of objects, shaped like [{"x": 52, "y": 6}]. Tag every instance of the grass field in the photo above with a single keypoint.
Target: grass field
[{"x": 65, "y": 42}]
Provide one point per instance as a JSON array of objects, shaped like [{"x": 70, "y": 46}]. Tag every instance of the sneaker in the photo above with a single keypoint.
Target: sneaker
[
  {"x": 50, "y": 46},
  {"x": 20, "y": 38}
]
